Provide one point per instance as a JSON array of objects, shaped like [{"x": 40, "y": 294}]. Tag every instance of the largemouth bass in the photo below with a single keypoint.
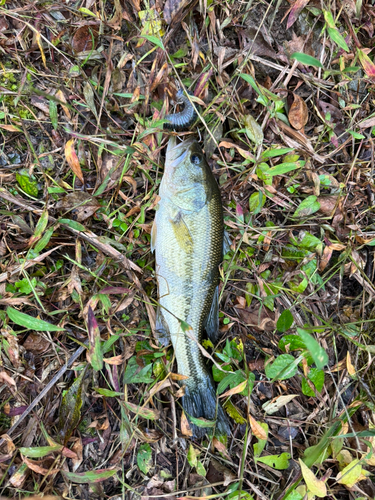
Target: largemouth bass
[{"x": 187, "y": 237}]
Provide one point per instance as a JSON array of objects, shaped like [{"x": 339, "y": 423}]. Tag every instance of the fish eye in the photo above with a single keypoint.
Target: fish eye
[{"x": 196, "y": 158}]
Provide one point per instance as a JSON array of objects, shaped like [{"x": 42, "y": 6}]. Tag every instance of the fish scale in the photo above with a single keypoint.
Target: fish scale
[{"x": 187, "y": 237}]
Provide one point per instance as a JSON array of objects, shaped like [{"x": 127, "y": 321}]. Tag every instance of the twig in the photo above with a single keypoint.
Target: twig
[{"x": 49, "y": 386}]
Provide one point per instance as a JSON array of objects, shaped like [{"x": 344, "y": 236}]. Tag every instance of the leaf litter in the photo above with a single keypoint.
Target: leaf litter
[{"x": 89, "y": 399}]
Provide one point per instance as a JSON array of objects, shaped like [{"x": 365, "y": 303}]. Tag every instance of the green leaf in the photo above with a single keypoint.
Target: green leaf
[
  {"x": 108, "y": 393},
  {"x": 278, "y": 462},
  {"x": 44, "y": 240},
  {"x": 40, "y": 451},
  {"x": 200, "y": 469},
  {"x": 256, "y": 202},
  {"x": 283, "y": 168},
  {"x": 73, "y": 224},
  {"x": 24, "y": 286},
  {"x": 239, "y": 495},
  {"x": 253, "y": 130},
  {"x": 317, "y": 352},
  {"x": 285, "y": 321},
  {"x": 144, "y": 458},
  {"x": 31, "y": 323},
  {"x": 356, "y": 135},
  {"x": 249, "y": 79},
  {"x": 294, "y": 343},
  {"x": 53, "y": 113},
  {"x": 259, "y": 446},
  {"x": 70, "y": 409},
  {"x": 233, "y": 380},
  {"x": 86, "y": 11},
  {"x": 192, "y": 456},
  {"x": 219, "y": 375},
  {"x": 91, "y": 476},
  {"x": 95, "y": 352},
  {"x": 306, "y": 389},
  {"x": 27, "y": 183},
  {"x": 306, "y": 59},
  {"x": 282, "y": 368},
  {"x": 317, "y": 378},
  {"x": 272, "y": 153},
  {"x": 155, "y": 40},
  {"x": 308, "y": 206},
  {"x": 142, "y": 377},
  {"x": 336, "y": 36},
  {"x": 328, "y": 17},
  {"x": 202, "y": 422},
  {"x": 294, "y": 495}
]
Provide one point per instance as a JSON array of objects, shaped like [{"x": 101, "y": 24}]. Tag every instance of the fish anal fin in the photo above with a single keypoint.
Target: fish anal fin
[
  {"x": 161, "y": 328},
  {"x": 182, "y": 233},
  {"x": 211, "y": 324}
]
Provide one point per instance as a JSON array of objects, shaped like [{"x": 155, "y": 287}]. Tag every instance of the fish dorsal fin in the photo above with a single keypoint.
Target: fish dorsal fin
[{"x": 182, "y": 233}]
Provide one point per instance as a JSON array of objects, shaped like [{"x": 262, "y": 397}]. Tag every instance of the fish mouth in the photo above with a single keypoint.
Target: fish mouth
[{"x": 176, "y": 151}]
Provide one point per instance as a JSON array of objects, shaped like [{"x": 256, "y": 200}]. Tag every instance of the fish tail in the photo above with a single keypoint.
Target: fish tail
[{"x": 200, "y": 401}]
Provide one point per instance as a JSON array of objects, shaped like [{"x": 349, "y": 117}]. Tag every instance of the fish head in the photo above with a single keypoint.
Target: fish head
[{"x": 187, "y": 176}]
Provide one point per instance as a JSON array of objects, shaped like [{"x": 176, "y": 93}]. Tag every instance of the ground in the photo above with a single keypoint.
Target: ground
[{"x": 90, "y": 401}]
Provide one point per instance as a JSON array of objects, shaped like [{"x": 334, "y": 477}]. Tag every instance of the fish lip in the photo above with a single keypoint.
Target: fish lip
[{"x": 176, "y": 152}]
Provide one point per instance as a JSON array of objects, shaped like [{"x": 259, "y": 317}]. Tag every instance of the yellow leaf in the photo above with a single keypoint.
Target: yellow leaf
[
  {"x": 352, "y": 474},
  {"x": 239, "y": 388},
  {"x": 349, "y": 365},
  {"x": 234, "y": 413},
  {"x": 37, "y": 36},
  {"x": 314, "y": 485}
]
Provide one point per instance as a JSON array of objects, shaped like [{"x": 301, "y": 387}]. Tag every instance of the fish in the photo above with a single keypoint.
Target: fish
[
  {"x": 188, "y": 239},
  {"x": 185, "y": 118}
]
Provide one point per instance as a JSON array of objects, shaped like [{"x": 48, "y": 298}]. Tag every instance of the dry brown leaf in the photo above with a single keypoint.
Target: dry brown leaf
[
  {"x": 72, "y": 159},
  {"x": 172, "y": 8},
  {"x": 298, "y": 114},
  {"x": 257, "y": 429},
  {"x": 328, "y": 204},
  {"x": 37, "y": 467},
  {"x": 325, "y": 258},
  {"x": 115, "y": 360},
  {"x": 83, "y": 39},
  {"x": 185, "y": 427},
  {"x": 81, "y": 203},
  {"x": 6, "y": 379}
]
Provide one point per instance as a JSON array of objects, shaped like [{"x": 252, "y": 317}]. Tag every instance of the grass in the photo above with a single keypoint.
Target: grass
[{"x": 90, "y": 402}]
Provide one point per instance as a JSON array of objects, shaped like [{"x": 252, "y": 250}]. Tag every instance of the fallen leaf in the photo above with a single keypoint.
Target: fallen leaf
[
  {"x": 273, "y": 406},
  {"x": 297, "y": 7},
  {"x": 72, "y": 159},
  {"x": 351, "y": 474},
  {"x": 84, "y": 39},
  {"x": 298, "y": 114},
  {"x": 314, "y": 485},
  {"x": 257, "y": 429}
]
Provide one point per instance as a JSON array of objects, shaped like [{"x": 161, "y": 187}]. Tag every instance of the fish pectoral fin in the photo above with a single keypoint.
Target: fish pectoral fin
[
  {"x": 182, "y": 233},
  {"x": 211, "y": 324},
  {"x": 161, "y": 328},
  {"x": 153, "y": 236}
]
